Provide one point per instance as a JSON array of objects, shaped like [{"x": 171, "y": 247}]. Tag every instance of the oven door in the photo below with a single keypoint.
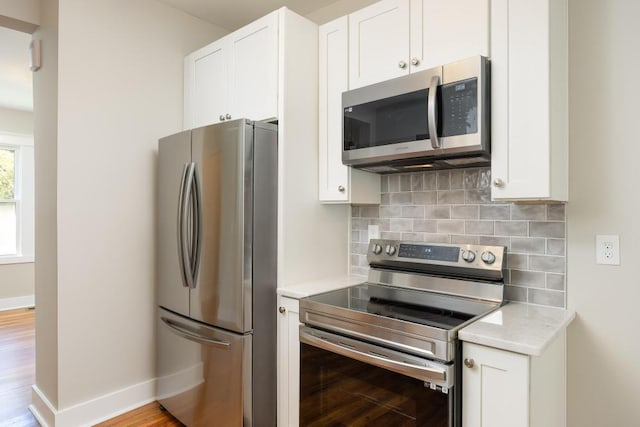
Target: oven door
[{"x": 347, "y": 382}]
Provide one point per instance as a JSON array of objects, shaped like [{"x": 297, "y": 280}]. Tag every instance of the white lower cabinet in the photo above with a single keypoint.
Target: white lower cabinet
[
  {"x": 288, "y": 362},
  {"x": 506, "y": 389}
]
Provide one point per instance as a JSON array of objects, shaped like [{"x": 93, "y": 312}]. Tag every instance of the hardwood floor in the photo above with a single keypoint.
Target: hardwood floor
[
  {"x": 17, "y": 367},
  {"x": 148, "y": 415},
  {"x": 17, "y": 374}
]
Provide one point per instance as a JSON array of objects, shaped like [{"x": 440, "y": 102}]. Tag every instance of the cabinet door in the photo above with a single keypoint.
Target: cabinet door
[
  {"x": 444, "y": 31},
  {"x": 333, "y": 80},
  {"x": 495, "y": 389},
  {"x": 378, "y": 42},
  {"x": 253, "y": 70},
  {"x": 206, "y": 88},
  {"x": 529, "y": 99},
  {"x": 337, "y": 183},
  {"x": 288, "y": 362}
]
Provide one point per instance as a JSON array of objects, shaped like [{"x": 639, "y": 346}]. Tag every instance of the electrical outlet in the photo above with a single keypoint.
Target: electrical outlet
[
  {"x": 374, "y": 232},
  {"x": 608, "y": 249}
]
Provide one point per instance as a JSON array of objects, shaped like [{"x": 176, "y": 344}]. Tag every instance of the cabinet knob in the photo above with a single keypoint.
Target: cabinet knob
[
  {"x": 282, "y": 310},
  {"x": 415, "y": 61},
  {"x": 228, "y": 116},
  {"x": 341, "y": 188},
  {"x": 469, "y": 363},
  {"x": 402, "y": 65},
  {"x": 221, "y": 117},
  {"x": 498, "y": 182}
]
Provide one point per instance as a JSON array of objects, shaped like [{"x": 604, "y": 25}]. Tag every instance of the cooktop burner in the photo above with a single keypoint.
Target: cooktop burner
[
  {"x": 431, "y": 316},
  {"x": 402, "y": 304}
]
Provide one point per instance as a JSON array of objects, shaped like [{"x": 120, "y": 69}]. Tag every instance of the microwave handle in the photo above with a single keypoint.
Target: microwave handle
[{"x": 432, "y": 113}]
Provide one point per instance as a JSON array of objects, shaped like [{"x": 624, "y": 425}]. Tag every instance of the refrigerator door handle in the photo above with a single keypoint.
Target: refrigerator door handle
[
  {"x": 184, "y": 225},
  {"x": 184, "y": 332},
  {"x": 197, "y": 226},
  {"x": 181, "y": 226}
]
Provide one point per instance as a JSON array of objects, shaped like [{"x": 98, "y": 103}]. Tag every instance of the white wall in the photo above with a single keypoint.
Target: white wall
[
  {"x": 603, "y": 344},
  {"x": 16, "y": 279},
  {"x": 21, "y": 15},
  {"x": 45, "y": 115},
  {"x": 16, "y": 121},
  {"x": 129, "y": 70},
  {"x": 120, "y": 89}
]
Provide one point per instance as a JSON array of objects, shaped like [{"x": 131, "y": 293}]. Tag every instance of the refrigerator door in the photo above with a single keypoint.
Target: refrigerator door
[
  {"x": 222, "y": 292},
  {"x": 174, "y": 159},
  {"x": 204, "y": 374}
]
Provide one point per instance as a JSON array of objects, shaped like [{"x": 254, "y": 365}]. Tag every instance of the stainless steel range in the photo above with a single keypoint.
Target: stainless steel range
[{"x": 385, "y": 352}]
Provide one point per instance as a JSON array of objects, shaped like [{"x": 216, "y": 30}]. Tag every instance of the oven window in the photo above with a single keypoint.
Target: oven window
[{"x": 339, "y": 391}]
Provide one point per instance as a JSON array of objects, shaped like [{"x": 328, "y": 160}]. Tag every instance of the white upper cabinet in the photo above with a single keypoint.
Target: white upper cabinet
[
  {"x": 529, "y": 105},
  {"x": 378, "y": 42},
  {"x": 206, "y": 85},
  {"x": 392, "y": 38},
  {"x": 337, "y": 183},
  {"x": 234, "y": 77},
  {"x": 253, "y": 70},
  {"x": 444, "y": 31}
]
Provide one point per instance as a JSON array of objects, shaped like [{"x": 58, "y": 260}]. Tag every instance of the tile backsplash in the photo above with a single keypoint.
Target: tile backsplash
[{"x": 455, "y": 207}]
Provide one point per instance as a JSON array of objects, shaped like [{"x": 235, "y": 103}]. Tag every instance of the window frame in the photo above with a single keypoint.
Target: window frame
[{"x": 23, "y": 196}]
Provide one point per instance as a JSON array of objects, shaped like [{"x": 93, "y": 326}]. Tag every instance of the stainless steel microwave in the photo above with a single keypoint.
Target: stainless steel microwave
[{"x": 433, "y": 119}]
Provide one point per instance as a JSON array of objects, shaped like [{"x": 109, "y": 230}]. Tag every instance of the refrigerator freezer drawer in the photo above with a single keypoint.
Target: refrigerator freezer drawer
[{"x": 204, "y": 373}]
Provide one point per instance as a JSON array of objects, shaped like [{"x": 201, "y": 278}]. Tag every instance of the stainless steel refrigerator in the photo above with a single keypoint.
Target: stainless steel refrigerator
[{"x": 216, "y": 274}]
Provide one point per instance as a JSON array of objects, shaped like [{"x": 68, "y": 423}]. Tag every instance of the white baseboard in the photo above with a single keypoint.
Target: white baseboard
[
  {"x": 16, "y": 302},
  {"x": 92, "y": 411},
  {"x": 41, "y": 408}
]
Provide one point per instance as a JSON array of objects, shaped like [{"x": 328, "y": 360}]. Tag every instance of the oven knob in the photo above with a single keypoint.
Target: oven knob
[
  {"x": 488, "y": 257},
  {"x": 390, "y": 250},
  {"x": 468, "y": 256},
  {"x": 377, "y": 249}
]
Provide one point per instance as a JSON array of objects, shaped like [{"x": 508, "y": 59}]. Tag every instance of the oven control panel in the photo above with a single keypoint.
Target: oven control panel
[
  {"x": 458, "y": 257},
  {"x": 430, "y": 252}
]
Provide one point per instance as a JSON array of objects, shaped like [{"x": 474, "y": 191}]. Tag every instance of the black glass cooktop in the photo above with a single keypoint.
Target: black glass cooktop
[{"x": 411, "y": 305}]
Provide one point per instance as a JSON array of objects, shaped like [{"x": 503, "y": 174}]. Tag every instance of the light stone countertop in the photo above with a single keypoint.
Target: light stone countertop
[
  {"x": 305, "y": 289},
  {"x": 520, "y": 328}
]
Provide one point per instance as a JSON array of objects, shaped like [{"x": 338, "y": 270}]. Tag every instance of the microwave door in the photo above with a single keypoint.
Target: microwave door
[{"x": 389, "y": 120}]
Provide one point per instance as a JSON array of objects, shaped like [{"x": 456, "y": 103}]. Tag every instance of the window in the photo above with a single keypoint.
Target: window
[
  {"x": 8, "y": 202},
  {"x": 16, "y": 198}
]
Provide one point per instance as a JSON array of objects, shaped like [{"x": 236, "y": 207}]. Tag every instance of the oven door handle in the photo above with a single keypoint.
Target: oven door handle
[{"x": 424, "y": 373}]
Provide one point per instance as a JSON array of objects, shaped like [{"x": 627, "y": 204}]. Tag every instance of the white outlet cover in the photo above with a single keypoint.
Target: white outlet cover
[{"x": 608, "y": 249}]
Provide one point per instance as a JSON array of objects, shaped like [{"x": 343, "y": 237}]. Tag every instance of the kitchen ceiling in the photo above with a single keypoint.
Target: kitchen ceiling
[
  {"x": 16, "y": 86},
  {"x": 232, "y": 15},
  {"x": 16, "y": 90}
]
